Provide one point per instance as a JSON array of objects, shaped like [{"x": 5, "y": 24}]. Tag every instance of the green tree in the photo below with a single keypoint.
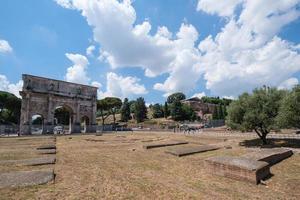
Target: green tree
[
  {"x": 157, "y": 111},
  {"x": 125, "y": 111},
  {"x": 103, "y": 110},
  {"x": 10, "y": 108},
  {"x": 175, "y": 97},
  {"x": 176, "y": 111},
  {"x": 289, "y": 112},
  {"x": 114, "y": 104},
  {"x": 166, "y": 110},
  {"x": 216, "y": 100},
  {"x": 188, "y": 113},
  {"x": 256, "y": 111},
  {"x": 140, "y": 110},
  {"x": 132, "y": 106}
]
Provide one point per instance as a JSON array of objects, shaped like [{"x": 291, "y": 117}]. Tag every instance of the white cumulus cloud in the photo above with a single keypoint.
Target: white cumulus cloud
[
  {"x": 289, "y": 83},
  {"x": 5, "y": 47},
  {"x": 64, "y": 3},
  {"x": 248, "y": 53},
  {"x": 5, "y": 85},
  {"x": 90, "y": 50},
  {"x": 120, "y": 86},
  {"x": 199, "y": 95},
  {"x": 245, "y": 54},
  {"x": 77, "y": 73},
  {"x": 221, "y": 8},
  {"x": 127, "y": 44}
]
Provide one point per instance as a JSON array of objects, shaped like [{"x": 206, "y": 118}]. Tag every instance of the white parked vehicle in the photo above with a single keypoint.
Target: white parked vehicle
[{"x": 58, "y": 130}]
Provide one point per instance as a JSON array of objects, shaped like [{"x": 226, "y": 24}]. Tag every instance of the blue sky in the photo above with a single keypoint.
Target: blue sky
[{"x": 41, "y": 33}]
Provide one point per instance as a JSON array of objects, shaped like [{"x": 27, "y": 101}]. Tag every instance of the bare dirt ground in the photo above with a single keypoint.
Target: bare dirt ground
[{"x": 115, "y": 166}]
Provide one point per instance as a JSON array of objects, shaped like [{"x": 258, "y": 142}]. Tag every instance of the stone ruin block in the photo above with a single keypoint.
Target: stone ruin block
[
  {"x": 47, "y": 151},
  {"x": 188, "y": 150},
  {"x": 163, "y": 144},
  {"x": 238, "y": 168},
  {"x": 271, "y": 156},
  {"x": 26, "y": 178},
  {"x": 47, "y": 146},
  {"x": 31, "y": 162}
]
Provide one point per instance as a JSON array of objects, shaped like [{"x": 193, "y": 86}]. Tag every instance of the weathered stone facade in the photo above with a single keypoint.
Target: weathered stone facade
[
  {"x": 43, "y": 95},
  {"x": 199, "y": 106}
]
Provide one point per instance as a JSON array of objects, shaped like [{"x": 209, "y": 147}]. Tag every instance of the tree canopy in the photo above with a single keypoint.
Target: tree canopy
[
  {"x": 114, "y": 104},
  {"x": 157, "y": 111},
  {"x": 125, "y": 111},
  {"x": 256, "y": 111},
  {"x": 289, "y": 111},
  {"x": 108, "y": 106},
  {"x": 216, "y": 100},
  {"x": 178, "y": 110},
  {"x": 166, "y": 110},
  {"x": 10, "y": 108},
  {"x": 140, "y": 110},
  {"x": 176, "y": 97}
]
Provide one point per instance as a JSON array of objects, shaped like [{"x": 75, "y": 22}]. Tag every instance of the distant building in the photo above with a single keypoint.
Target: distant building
[{"x": 202, "y": 109}]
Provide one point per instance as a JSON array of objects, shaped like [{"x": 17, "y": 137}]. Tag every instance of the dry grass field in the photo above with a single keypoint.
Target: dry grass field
[{"x": 115, "y": 166}]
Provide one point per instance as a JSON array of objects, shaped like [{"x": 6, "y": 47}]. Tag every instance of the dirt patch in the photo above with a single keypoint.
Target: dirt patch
[
  {"x": 93, "y": 140},
  {"x": 113, "y": 170}
]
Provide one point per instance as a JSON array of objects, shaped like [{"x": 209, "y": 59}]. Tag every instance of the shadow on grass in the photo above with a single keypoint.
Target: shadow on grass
[{"x": 272, "y": 142}]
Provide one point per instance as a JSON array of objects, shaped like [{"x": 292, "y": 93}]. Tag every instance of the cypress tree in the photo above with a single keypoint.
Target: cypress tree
[
  {"x": 125, "y": 111},
  {"x": 140, "y": 110},
  {"x": 166, "y": 110}
]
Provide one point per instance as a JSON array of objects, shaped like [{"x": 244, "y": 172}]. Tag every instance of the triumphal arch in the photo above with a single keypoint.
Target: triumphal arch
[{"x": 41, "y": 96}]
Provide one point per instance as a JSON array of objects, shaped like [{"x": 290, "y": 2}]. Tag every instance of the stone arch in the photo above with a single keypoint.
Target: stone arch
[
  {"x": 38, "y": 126},
  {"x": 43, "y": 95},
  {"x": 66, "y": 123}
]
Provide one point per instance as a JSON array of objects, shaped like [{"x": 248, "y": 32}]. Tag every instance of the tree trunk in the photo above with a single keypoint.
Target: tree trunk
[
  {"x": 264, "y": 139},
  {"x": 262, "y": 134},
  {"x": 114, "y": 117}
]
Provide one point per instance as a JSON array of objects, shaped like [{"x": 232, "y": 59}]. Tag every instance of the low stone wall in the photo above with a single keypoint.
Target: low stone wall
[{"x": 238, "y": 168}]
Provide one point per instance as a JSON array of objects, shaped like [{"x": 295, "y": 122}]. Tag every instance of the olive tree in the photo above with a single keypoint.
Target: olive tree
[
  {"x": 256, "y": 111},
  {"x": 289, "y": 112}
]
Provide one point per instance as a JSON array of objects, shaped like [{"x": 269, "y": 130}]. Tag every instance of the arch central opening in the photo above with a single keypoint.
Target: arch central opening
[
  {"x": 37, "y": 124},
  {"x": 63, "y": 119}
]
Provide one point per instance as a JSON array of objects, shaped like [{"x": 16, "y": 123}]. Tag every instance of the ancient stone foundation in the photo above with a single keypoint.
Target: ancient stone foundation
[
  {"x": 163, "y": 144},
  {"x": 188, "y": 150},
  {"x": 271, "y": 156},
  {"x": 238, "y": 168}
]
